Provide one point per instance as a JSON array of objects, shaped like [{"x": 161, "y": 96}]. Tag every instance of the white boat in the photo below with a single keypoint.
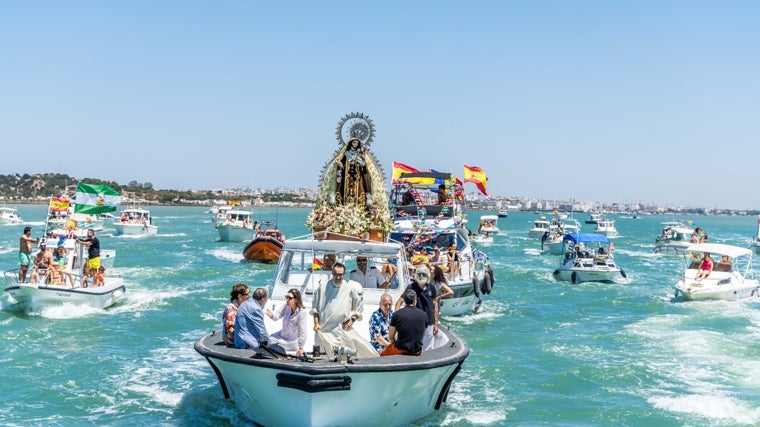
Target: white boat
[
  {"x": 540, "y": 226},
  {"x": 284, "y": 390},
  {"x": 754, "y": 244},
  {"x": 55, "y": 287},
  {"x": 134, "y": 222},
  {"x": 553, "y": 242},
  {"x": 594, "y": 217},
  {"x": 436, "y": 225},
  {"x": 489, "y": 224},
  {"x": 725, "y": 281},
  {"x": 9, "y": 216},
  {"x": 503, "y": 213},
  {"x": 606, "y": 227},
  {"x": 236, "y": 226},
  {"x": 675, "y": 237},
  {"x": 588, "y": 258}
]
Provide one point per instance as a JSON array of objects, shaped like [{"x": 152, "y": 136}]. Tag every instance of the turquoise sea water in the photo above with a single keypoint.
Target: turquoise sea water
[{"x": 542, "y": 352}]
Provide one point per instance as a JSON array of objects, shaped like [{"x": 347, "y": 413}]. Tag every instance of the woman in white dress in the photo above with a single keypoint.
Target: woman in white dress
[{"x": 292, "y": 336}]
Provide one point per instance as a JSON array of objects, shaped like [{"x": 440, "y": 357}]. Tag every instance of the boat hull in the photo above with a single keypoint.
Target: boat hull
[
  {"x": 670, "y": 247},
  {"x": 580, "y": 275},
  {"x": 36, "y": 296},
  {"x": 290, "y": 392},
  {"x": 263, "y": 249},
  {"x": 234, "y": 233},
  {"x": 692, "y": 290},
  {"x": 127, "y": 229}
]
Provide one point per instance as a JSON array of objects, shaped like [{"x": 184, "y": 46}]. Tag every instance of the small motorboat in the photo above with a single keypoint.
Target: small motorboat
[
  {"x": 588, "y": 258},
  {"x": 754, "y": 244},
  {"x": 606, "y": 227},
  {"x": 488, "y": 224},
  {"x": 675, "y": 238},
  {"x": 727, "y": 280},
  {"x": 235, "y": 226},
  {"x": 9, "y": 215},
  {"x": 134, "y": 222},
  {"x": 266, "y": 246}
]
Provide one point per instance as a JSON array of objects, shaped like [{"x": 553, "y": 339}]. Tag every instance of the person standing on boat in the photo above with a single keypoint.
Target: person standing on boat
[
  {"x": 238, "y": 295},
  {"x": 250, "y": 331},
  {"x": 25, "y": 252},
  {"x": 426, "y": 301},
  {"x": 336, "y": 306},
  {"x": 353, "y": 175},
  {"x": 93, "y": 255}
]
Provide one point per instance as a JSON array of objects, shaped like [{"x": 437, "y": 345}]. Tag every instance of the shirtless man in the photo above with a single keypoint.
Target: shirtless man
[
  {"x": 25, "y": 252},
  {"x": 42, "y": 262}
]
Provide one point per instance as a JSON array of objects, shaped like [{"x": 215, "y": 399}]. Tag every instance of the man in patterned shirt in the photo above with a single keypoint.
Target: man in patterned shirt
[{"x": 380, "y": 322}]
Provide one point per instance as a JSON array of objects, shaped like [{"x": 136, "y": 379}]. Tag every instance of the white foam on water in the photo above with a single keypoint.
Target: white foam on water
[{"x": 227, "y": 254}]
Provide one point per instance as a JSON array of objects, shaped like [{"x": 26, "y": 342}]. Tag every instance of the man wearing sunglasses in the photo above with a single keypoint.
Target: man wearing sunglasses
[
  {"x": 368, "y": 277},
  {"x": 426, "y": 296}
]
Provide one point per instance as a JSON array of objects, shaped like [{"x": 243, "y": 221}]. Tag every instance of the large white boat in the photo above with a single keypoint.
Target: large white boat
[
  {"x": 134, "y": 222},
  {"x": 9, "y": 215},
  {"x": 236, "y": 226},
  {"x": 424, "y": 223},
  {"x": 606, "y": 227},
  {"x": 754, "y": 243},
  {"x": 675, "y": 237},
  {"x": 283, "y": 390},
  {"x": 65, "y": 286},
  {"x": 588, "y": 258},
  {"x": 726, "y": 281}
]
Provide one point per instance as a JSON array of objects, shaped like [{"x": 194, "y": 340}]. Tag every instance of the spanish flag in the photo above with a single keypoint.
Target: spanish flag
[
  {"x": 399, "y": 168},
  {"x": 317, "y": 264},
  {"x": 476, "y": 176},
  {"x": 59, "y": 203}
]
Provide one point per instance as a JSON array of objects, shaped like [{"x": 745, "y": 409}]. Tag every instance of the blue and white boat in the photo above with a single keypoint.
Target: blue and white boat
[{"x": 588, "y": 258}]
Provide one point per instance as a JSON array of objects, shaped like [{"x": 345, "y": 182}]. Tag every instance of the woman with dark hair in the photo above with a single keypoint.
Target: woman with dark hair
[
  {"x": 292, "y": 336},
  {"x": 441, "y": 285},
  {"x": 238, "y": 295}
]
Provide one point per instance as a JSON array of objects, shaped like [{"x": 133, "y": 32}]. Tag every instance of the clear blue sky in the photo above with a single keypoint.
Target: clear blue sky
[{"x": 610, "y": 101}]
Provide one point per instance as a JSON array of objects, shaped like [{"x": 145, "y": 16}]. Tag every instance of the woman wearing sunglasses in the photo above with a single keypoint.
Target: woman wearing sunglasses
[{"x": 292, "y": 336}]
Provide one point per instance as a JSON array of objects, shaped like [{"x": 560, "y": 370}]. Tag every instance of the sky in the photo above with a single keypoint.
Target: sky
[{"x": 654, "y": 102}]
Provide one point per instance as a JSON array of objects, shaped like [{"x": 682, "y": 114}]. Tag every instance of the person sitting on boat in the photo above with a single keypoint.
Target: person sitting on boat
[
  {"x": 421, "y": 257},
  {"x": 250, "y": 331},
  {"x": 379, "y": 323},
  {"x": 42, "y": 262},
  {"x": 725, "y": 260},
  {"x": 368, "y": 277},
  {"x": 336, "y": 306},
  {"x": 696, "y": 235},
  {"x": 407, "y": 198},
  {"x": 705, "y": 266},
  {"x": 238, "y": 295},
  {"x": 100, "y": 277},
  {"x": 407, "y": 328},
  {"x": 60, "y": 262},
  {"x": 443, "y": 197},
  {"x": 292, "y": 336}
]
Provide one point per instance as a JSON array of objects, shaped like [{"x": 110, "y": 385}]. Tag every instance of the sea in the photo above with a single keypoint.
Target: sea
[{"x": 542, "y": 352}]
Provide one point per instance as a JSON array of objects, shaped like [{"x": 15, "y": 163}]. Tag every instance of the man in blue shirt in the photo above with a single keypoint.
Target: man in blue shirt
[{"x": 250, "y": 331}]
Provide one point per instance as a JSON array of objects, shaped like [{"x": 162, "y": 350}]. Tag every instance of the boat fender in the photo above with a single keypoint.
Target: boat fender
[
  {"x": 574, "y": 277},
  {"x": 622, "y": 273},
  {"x": 486, "y": 285},
  {"x": 556, "y": 272},
  {"x": 476, "y": 285},
  {"x": 490, "y": 274}
]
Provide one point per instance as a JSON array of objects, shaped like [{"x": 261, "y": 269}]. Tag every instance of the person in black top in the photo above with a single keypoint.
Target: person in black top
[
  {"x": 407, "y": 328},
  {"x": 93, "y": 255}
]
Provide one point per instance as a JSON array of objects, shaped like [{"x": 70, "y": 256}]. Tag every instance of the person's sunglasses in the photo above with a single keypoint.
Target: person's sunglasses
[{"x": 288, "y": 297}]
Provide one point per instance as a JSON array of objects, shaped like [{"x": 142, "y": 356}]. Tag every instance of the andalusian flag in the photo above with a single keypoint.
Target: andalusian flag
[
  {"x": 59, "y": 203},
  {"x": 399, "y": 168},
  {"x": 95, "y": 199},
  {"x": 476, "y": 176}
]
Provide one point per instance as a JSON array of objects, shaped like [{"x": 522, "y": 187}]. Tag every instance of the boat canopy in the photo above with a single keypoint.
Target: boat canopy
[
  {"x": 720, "y": 248},
  {"x": 425, "y": 179},
  {"x": 585, "y": 237}
]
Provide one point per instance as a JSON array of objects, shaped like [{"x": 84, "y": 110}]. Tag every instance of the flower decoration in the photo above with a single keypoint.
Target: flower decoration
[{"x": 350, "y": 219}]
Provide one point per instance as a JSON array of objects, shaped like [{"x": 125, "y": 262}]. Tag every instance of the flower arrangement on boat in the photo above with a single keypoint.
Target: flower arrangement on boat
[{"x": 350, "y": 219}]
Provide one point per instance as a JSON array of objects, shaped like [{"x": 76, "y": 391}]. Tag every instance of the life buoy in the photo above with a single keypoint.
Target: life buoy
[
  {"x": 486, "y": 285},
  {"x": 622, "y": 273},
  {"x": 476, "y": 286},
  {"x": 574, "y": 277}
]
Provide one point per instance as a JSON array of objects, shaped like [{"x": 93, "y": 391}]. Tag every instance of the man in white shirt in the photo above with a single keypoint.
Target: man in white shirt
[{"x": 368, "y": 277}]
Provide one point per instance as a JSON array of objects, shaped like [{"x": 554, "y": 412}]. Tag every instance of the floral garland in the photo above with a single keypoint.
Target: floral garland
[{"x": 350, "y": 219}]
